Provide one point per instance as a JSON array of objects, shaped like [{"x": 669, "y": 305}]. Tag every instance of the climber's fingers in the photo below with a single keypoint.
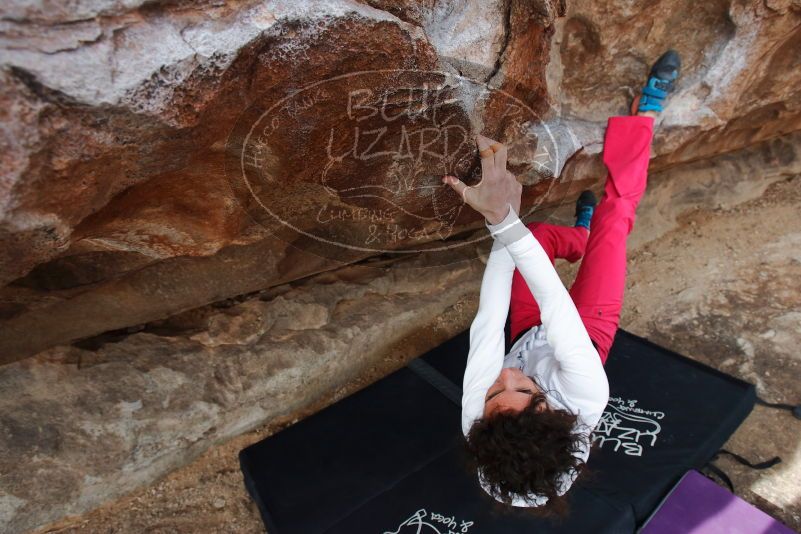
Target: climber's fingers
[
  {"x": 487, "y": 156},
  {"x": 500, "y": 158},
  {"x": 497, "y": 151},
  {"x": 457, "y": 185},
  {"x": 493, "y": 173}
]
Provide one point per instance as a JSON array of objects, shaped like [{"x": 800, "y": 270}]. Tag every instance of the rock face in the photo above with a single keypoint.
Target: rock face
[
  {"x": 139, "y": 133},
  {"x": 740, "y": 69},
  {"x": 159, "y": 157},
  {"x": 117, "y": 411},
  {"x": 103, "y": 418}
]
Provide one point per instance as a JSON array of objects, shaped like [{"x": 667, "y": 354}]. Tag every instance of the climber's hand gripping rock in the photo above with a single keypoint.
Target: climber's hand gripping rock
[{"x": 497, "y": 187}]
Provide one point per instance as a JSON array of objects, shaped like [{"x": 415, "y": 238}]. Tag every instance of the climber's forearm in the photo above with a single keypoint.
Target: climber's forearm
[{"x": 487, "y": 336}]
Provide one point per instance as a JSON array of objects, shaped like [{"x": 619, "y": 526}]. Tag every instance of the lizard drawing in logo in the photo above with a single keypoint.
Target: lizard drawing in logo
[{"x": 626, "y": 430}]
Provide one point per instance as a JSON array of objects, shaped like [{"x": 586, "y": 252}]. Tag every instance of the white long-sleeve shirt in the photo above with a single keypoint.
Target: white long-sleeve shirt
[{"x": 558, "y": 354}]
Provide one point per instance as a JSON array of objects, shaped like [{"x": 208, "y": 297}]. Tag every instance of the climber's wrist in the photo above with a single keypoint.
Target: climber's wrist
[{"x": 497, "y": 216}]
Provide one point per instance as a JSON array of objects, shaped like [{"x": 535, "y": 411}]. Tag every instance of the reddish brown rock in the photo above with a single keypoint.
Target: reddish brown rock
[
  {"x": 141, "y": 161},
  {"x": 117, "y": 154}
]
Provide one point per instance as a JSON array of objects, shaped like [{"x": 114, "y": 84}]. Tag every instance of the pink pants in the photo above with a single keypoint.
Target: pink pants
[{"x": 598, "y": 289}]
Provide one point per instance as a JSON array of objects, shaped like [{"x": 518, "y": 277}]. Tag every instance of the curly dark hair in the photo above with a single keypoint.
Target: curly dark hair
[{"x": 527, "y": 452}]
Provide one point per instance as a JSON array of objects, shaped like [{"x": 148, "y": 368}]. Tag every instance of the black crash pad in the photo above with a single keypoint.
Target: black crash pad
[{"x": 388, "y": 459}]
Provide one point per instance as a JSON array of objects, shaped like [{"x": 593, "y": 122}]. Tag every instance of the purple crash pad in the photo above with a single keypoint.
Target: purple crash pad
[{"x": 696, "y": 505}]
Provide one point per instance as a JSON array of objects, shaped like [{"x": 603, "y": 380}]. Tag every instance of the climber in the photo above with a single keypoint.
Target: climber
[{"x": 528, "y": 415}]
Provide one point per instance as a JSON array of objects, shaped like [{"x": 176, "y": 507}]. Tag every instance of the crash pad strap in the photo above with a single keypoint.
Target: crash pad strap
[{"x": 436, "y": 379}]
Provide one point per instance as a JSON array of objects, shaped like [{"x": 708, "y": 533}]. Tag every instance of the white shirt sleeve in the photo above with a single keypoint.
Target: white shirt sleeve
[
  {"x": 487, "y": 337},
  {"x": 581, "y": 373}
]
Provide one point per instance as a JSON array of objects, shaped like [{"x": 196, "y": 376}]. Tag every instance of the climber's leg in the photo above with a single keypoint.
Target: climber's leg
[
  {"x": 601, "y": 279},
  {"x": 563, "y": 242}
]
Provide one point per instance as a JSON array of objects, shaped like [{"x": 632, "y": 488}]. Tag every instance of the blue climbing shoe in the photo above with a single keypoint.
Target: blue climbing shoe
[
  {"x": 585, "y": 206},
  {"x": 661, "y": 82}
]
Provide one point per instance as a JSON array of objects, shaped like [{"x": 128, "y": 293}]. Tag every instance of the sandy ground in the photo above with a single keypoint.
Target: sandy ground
[{"x": 722, "y": 288}]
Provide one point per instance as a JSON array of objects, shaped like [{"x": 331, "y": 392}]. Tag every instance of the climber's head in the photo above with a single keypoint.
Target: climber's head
[
  {"x": 526, "y": 451},
  {"x": 512, "y": 391}
]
